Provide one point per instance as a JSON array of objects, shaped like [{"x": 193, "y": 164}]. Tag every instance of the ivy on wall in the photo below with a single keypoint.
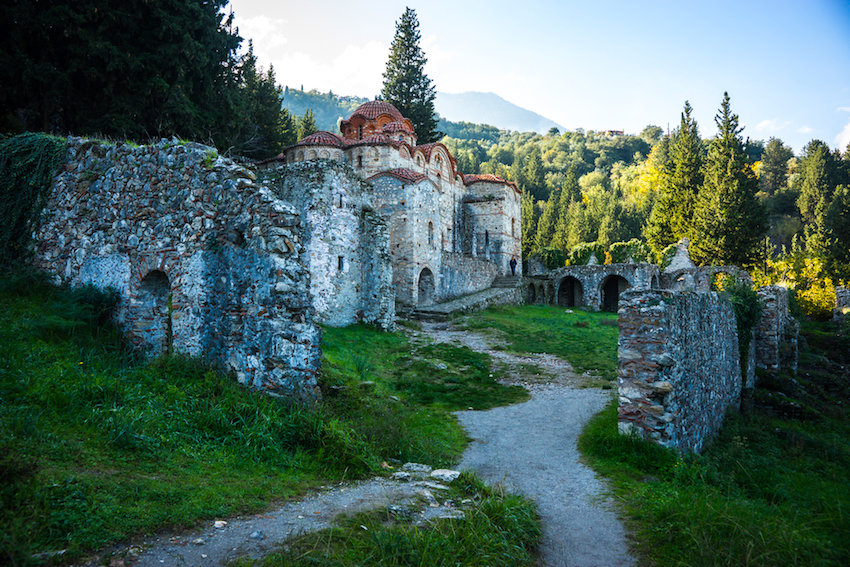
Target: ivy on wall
[{"x": 28, "y": 163}]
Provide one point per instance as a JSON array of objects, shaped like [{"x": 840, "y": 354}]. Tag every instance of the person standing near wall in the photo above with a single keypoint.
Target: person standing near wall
[{"x": 513, "y": 266}]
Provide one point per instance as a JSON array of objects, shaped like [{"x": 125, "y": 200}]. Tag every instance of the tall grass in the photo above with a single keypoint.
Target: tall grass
[
  {"x": 97, "y": 445},
  {"x": 772, "y": 489}
]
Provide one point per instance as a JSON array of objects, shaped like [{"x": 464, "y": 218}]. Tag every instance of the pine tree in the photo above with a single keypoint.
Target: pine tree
[
  {"x": 406, "y": 86},
  {"x": 729, "y": 221},
  {"x": 528, "y": 223},
  {"x": 548, "y": 222},
  {"x": 774, "y": 166},
  {"x": 535, "y": 175},
  {"x": 307, "y": 125},
  {"x": 681, "y": 178}
]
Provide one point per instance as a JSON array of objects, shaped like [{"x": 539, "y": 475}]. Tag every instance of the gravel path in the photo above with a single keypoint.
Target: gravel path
[
  {"x": 531, "y": 449},
  {"x": 528, "y": 447}
]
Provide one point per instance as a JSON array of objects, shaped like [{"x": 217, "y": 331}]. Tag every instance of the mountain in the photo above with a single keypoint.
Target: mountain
[{"x": 490, "y": 108}]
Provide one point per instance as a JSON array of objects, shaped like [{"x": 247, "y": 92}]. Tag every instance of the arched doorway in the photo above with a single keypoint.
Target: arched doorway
[
  {"x": 155, "y": 299},
  {"x": 531, "y": 296},
  {"x": 570, "y": 293},
  {"x": 426, "y": 287},
  {"x": 612, "y": 287}
]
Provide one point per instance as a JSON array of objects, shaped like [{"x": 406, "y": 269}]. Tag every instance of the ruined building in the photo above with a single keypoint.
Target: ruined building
[{"x": 449, "y": 234}]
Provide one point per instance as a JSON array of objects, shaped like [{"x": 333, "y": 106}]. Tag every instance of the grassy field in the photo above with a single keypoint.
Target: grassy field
[
  {"x": 773, "y": 489},
  {"x": 96, "y": 446},
  {"x": 587, "y": 340}
]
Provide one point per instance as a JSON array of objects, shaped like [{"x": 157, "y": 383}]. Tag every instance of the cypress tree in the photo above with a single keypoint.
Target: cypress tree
[
  {"x": 529, "y": 223},
  {"x": 681, "y": 178},
  {"x": 307, "y": 124},
  {"x": 729, "y": 221},
  {"x": 406, "y": 86}
]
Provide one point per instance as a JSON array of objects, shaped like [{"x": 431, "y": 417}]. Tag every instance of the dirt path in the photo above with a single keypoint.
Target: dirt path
[{"x": 531, "y": 449}]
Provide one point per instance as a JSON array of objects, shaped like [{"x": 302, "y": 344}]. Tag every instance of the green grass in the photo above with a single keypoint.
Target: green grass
[
  {"x": 96, "y": 446},
  {"x": 497, "y": 530},
  {"x": 772, "y": 489},
  {"x": 587, "y": 340}
]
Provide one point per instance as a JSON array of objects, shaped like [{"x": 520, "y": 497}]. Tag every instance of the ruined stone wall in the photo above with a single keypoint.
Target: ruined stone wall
[
  {"x": 679, "y": 367},
  {"x": 842, "y": 304},
  {"x": 775, "y": 336},
  {"x": 333, "y": 203},
  {"x": 462, "y": 275},
  {"x": 206, "y": 261},
  {"x": 576, "y": 286}
]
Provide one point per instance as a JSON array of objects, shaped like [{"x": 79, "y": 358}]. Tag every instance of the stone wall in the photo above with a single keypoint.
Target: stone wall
[
  {"x": 346, "y": 243},
  {"x": 463, "y": 274},
  {"x": 775, "y": 336},
  {"x": 842, "y": 304},
  {"x": 206, "y": 261},
  {"x": 597, "y": 286},
  {"x": 679, "y": 366}
]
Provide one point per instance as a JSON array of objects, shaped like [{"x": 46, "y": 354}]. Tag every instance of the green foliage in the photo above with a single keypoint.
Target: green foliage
[
  {"x": 681, "y": 178},
  {"x": 666, "y": 256},
  {"x": 581, "y": 253},
  {"x": 328, "y": 109},
  {"x": 774, "y": 166},
  {"x": 96, "y": 446},
  {"x": 729, "y": 222},
  {"x": 406, "y": 85},
  {"x": 497, "y": 529},
  {"x": 28, "y": 163},
  {"x": 307, "y": 125},
  {"x": 748, "y": 309},
  {"x": 552, "y": 258},
  {"x": 635, "y": 249}
]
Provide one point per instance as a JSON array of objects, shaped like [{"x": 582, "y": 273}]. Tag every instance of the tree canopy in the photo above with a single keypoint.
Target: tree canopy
[{"x": 406, "y": 85}]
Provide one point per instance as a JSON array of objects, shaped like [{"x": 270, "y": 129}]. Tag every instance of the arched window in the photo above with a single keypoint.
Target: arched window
[
  {"x": 360, "y": 132},
  {"x": 431, "y": 234},
  {"x": 359, "y": 162}
]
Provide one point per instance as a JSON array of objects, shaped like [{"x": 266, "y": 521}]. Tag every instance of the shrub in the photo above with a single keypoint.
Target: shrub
[{"x": 580, "y": 254}]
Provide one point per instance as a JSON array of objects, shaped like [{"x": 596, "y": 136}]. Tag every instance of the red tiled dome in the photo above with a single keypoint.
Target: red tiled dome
[
  {"x": 321, "y": 138},
  {"x": 396, "y": 127},
  {"x": 374, "y": 108},
  {"x": 402, "y": 173},
  {"x": 470, "y": 179}
]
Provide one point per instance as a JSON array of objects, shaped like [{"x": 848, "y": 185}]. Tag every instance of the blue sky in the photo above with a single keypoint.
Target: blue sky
[{"x": 596, "y": 64}]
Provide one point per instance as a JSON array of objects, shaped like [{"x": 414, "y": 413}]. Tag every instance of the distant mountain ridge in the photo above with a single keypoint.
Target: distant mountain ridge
[
  {"x": 490, "y": 108},
  {"x": 486, "y": 110}
]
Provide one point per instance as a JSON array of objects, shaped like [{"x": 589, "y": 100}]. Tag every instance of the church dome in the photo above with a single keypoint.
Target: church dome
[{"x": 374, "y": 108}]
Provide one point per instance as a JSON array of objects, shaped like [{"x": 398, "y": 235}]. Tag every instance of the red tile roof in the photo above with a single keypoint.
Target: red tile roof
[
  {"x": 396, "y": 127},
  {"x": 374, "y": 108},
  {"x": 402, "y": 173},
  {"x": 322, "y": 138},
  {"x": 489, "y": 177}
]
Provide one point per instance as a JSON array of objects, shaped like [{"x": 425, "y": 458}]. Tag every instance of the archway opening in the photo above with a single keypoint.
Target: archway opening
[
  {"x": 612, "y": 287},
  {"x": 155, "y": 297},
  {"x": 531, "y": 295},
  {"x": 721, "y": 280},
  {"x": 426, "y": 287},
  {"x": 570, "y": 292}
]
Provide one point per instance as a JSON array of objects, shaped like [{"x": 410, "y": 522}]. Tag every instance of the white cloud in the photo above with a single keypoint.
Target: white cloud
[
  {"x": 266, "y": 33},
  {"x": 770, "y": 126},
  {"x": 356, "y": 71},
  {"x": 804, "y": 130},
  {"x": 842, "y": 139},
  {"x": 843, "y": 109}
]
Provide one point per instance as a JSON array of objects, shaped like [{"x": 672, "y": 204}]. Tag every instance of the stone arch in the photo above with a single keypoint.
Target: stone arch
[
  {"x": 311, "y": 154},
  {"x": 719, "y": 279},
  {"x": 531, "y": 294},
  {"x": 324, "y": 154},
  {"x": 611, "y": 288},
  {"x": 154, "y": 305},
  {"x": 550, "y": 293},
  {"x": 653, "y": 284},
  {"x": 541, "y": 293},
  {"x": 300, "y": 156},
  {"x": 570, "y": 292},
  {"x": 426, "y": 287}
]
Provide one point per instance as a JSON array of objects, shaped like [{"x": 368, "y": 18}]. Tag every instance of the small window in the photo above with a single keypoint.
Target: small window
[
  {"x": 430, "y": 234},
  {"x": 359, "y": 162},
  {"x": 340, "y": 200},
  {"x": 360, "y": 132},
  {"x": 340, "y": 263}
]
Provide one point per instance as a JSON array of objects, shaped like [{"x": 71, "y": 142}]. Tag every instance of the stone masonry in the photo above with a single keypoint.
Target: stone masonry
[
  {"x": 679, "y": 366},
  {"x": 776, "y": 334},
  {"x": 206, "y": 260}
]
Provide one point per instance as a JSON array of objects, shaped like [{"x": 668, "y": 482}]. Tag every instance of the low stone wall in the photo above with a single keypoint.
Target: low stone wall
[
  {"x": 461, "y": 275},
  {"x": 206, "y": 261},
  {"x": 775, "y": 336},
  {"x": 842, "y": 304},
  {"x": 679, "y": 366}
]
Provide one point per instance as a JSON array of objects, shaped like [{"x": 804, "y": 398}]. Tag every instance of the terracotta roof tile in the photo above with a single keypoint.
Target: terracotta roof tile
[
  {"x": 489, "y": 177},
  {"x": 402, "y": 173},
  {"x": 396, "y": 127},
  {"x": 374, "y": 108},
  {"x": 322, "y": 138}
]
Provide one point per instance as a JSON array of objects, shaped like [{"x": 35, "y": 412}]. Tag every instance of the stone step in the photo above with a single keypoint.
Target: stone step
[{"x": 507, "y": 281}]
